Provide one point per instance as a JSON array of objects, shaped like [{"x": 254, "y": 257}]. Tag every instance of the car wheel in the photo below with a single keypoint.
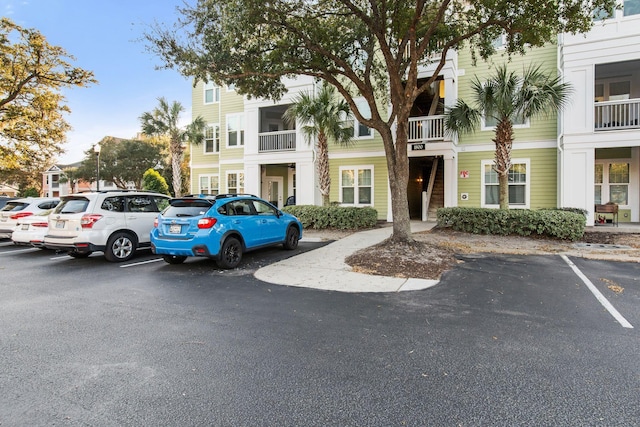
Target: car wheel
[
  {"x": 79, "y": 254},
  {"x": 292, "y": 238},
  {"x": 174, "y": 259},
  {"x": 120, "y": 247},
  {"x": 230, "y": 253}
]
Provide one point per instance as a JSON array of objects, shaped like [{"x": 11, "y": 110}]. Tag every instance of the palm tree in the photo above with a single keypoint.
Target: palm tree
[
  {"x": 164, "y": 121},
  {"x": 506, "y": 97},
  {"x": 323, "y": 118}
]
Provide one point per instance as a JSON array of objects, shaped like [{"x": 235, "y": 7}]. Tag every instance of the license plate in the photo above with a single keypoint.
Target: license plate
[
  {"x": 59, "y": 224},
  {"x": 175, "y": 229},
  {"x": 25, "y": 226}
]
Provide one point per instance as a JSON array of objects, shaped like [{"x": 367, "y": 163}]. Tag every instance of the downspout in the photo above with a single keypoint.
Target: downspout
[{"x": 560, "y": 129}]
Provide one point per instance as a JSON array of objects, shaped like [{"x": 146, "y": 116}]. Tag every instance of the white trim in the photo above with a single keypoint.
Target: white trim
[
  {"x": 527, "y": 184},
  {"x": 356, "y": 168}
]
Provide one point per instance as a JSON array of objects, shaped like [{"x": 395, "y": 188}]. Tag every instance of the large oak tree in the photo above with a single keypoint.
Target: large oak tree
[
  {"x": 368, "y": 48},
  {"x": 32, "y": 108}
]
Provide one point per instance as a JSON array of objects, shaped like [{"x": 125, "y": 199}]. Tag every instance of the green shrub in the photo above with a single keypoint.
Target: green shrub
[
  {"x": 551, "y": 223},
  {"x": 342, "y": 218},
  {"x": 153, "y": 181}
]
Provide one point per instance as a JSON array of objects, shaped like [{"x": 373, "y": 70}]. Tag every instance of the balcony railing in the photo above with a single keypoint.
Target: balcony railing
[
  {"x": 277, "y": 141},
  {"x": 426, "y": 129},
  {"x": 617, "y": 115}
]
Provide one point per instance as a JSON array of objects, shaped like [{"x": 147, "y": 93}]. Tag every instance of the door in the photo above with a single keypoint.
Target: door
[{"x": 272, "y": 190}]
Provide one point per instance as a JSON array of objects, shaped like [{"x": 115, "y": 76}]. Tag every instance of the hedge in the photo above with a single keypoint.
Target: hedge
[
  {"x": 338, "y": 217},
  {"x": 565, "y": 224}
]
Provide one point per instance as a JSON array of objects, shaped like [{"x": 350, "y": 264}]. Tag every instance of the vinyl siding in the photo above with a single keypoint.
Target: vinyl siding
[
  {"x": 540, "y": 128},
  {"x": 380, "y": 180},
  {"x": 542, "y": 175}
]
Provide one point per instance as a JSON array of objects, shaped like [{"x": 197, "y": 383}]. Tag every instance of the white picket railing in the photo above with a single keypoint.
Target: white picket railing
[
  {"x": 277, "y": 141},
  {"x": 617, "y": 115},
  {"x": 426, "y": 129}
]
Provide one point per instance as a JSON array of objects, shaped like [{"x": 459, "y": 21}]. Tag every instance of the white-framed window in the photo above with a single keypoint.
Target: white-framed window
[
  {"x": 356, "y": 185},
  {"x": 211, "y": 93},
  {"x": 611, "y": 182},
  {"x": 235, "y": 130},
  {"x": 500, "y": 42},
  {"x": 519, "y": 183},
  {"x": 212, "y": 139},
  {"x": 490, "y": 123},
  {"x": 208, "y": 184},
  {"x": 235, "y": 182},
  {"x": 231, "y": 87}
]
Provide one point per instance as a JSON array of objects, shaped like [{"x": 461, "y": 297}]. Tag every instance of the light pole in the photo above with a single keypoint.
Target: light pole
[{"x": 96, "y": 149}]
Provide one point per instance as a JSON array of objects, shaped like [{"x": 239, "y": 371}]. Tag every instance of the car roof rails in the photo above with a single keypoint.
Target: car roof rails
[{"x": 224, "y": 196}]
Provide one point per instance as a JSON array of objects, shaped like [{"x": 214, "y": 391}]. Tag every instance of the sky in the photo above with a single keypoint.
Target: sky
[{"x": 104, "y": 37}]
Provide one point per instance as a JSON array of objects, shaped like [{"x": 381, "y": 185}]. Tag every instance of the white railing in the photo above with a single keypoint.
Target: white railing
[
  {"x": 277, "y": 141},
  {"x": 426, "y": 129},
  {"x": 616, "y": 115}
]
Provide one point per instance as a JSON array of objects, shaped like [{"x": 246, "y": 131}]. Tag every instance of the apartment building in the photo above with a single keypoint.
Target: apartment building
[
  {"x": 599, "y": 142},
  {"x": 588, "y": 154}
]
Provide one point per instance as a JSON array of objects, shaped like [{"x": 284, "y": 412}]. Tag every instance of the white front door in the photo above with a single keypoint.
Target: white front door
[{"x": 272, "y": 190}]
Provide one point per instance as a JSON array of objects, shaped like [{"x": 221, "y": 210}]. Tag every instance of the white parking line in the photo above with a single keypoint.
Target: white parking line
[
  {"x": 604, "y": 301},
  {"x": 19, "y": 250},
  {"x": 6, "y": 244},
  {"x": 141, "y": 262}
]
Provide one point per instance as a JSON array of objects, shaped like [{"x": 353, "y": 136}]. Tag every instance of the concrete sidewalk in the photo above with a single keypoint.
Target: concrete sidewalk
[{"x": 324, "y": 268}]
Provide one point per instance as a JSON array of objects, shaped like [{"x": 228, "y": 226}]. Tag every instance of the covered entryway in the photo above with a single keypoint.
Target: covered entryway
[{"x": 425, "y": 190}]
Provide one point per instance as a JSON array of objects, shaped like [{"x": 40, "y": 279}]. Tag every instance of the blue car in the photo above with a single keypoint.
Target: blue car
[{"x": 222, "y": 228}]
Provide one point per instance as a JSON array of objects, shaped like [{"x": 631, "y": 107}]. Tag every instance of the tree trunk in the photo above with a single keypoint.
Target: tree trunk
[
  {"x": 398, "y": 167},
  {"x": 324, "y": 177},
  {"x": 503, "y": 141},
  {"x": 176, "y": 157}
]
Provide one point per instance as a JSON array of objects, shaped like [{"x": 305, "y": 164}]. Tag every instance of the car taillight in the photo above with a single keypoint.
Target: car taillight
[
  {"x": 87, "y": 221},
  {"x": 206, "y": 222},
  {"x": 20, "y": 215},
  {"x": 155, "y": 223},
  {"x": 39, "y": 224}
]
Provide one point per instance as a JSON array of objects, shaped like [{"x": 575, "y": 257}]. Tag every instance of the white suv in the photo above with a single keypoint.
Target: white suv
[{"x": 114, "y": 222}]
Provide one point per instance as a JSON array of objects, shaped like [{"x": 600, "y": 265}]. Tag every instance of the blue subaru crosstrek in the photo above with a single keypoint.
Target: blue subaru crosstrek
[{"x": 221, "y": 227}]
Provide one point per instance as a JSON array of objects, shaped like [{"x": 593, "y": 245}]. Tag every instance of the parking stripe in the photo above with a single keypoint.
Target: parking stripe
[
  {"x": 141, "y": 262},
  {"x": 19, "y": 251},
  {"x": 601, "y": 298}
]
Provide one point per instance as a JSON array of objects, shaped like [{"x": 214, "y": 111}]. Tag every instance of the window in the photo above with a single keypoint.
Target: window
[
  {"x": 209, "y": 184},
  {"x": 361, "y": 131},
  {"x": 211, "y": 93},
  {"x": 599, "y": 167},
  {"x": 518, "y": 184},
  {"x": 611, "y": 183},
  {"x": 631, "y": 7},
  {"x": 599, "y": 14},
  {"x": 235, "y": 130},
  {"x": 356, "y": 185},
  {"x": 212, "y": 139},
  {"x": 235, "y": 182}
]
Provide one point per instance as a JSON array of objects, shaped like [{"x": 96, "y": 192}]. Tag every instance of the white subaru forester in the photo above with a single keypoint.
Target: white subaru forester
[{"x": 114, "y": 222}]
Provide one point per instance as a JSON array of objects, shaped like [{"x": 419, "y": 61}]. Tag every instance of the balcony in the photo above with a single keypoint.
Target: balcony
[
  {"x": 284, "y": 140},
  {"x": 617, "y": 115},
  {"x": 426, "y": 129}
]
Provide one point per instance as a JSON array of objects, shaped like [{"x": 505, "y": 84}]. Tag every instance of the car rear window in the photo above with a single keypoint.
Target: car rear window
[
  {"x": 188, "y": 207},
  {"x": 14, "y": 206},
  {"x": 72, "y": 205}
]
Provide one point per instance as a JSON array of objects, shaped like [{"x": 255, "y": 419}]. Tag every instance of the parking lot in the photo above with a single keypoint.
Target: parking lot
[{"x": 502, "y": 340}]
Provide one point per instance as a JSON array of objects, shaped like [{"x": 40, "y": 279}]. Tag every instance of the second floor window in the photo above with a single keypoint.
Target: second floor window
[
  {"x": 211, "y": 93},
  {"x": 631, "y": 7},
  {"x": 235, "y": 130},
  {"x": 212, "y": 139}
]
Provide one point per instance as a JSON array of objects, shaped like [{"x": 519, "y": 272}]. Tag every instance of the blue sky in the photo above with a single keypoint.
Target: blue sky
[{"x": 103, "y": 37}]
